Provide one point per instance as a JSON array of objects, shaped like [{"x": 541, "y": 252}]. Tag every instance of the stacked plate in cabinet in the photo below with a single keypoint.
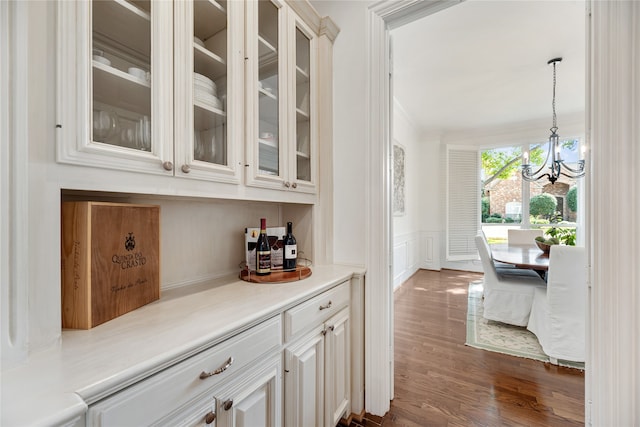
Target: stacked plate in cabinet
[{"x": 204, "y": 91}]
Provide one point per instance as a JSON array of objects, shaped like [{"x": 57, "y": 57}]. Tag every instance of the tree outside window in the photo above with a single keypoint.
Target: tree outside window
[{"x": 508, "y": 202}]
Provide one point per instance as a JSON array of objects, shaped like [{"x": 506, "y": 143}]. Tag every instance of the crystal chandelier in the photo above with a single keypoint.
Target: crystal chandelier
[{"x": 554, "y": 163}]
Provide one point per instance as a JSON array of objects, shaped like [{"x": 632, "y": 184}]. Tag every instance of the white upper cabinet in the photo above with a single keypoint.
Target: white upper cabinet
[
  {"x": 115, "y": 85},
  {"x": 281, "y": 137},
  {"x": 159, "y": 86},
  {"x": 209, "y": 83},
  {"x": 202, "y": 89}
]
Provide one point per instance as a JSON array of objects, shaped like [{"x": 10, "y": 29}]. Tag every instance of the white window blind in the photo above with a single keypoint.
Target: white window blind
[{"x": 463, "y": 202}]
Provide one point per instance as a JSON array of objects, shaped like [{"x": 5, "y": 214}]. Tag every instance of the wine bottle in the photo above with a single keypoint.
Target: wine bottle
[
  {"x": 290, "y": 250},
  {"x": 263, "y": 251}
]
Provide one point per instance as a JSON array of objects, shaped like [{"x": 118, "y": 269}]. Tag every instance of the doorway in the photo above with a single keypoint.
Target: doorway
[{"x": 384, "y": 17}]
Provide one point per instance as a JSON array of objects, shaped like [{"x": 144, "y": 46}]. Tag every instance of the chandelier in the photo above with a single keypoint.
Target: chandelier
[{"x": 554, "y": 165}]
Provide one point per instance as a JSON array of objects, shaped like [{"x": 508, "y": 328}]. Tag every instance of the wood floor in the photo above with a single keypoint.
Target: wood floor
[{"x": 441, "y": 382}]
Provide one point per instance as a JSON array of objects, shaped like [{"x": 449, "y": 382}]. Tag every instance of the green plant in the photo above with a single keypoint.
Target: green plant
[
  {"x": 536, "y": 220},
  {"x": 493, "y": 220},
  {"x": 485, "y": 208},
  {"x": 543, "y": 205},
  {"x": 572, "y": 199},
  {"x": 564, "y": 235}
]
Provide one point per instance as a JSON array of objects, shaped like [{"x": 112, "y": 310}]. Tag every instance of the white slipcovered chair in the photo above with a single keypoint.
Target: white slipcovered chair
[
  {"x": 523, "y": 237},
  {"x": 507, "y": 298},
  {"x": 559, "y": 310},
  {"x": 503, "y": 268}
]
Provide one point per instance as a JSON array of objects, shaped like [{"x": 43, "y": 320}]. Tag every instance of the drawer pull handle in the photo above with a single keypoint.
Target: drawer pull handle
[
  {"x": 204, "y": 374},
  {"x": 323, "y": 307},
  {"x": 227, "y": 404},
  {"x": 210, "y": 417}
]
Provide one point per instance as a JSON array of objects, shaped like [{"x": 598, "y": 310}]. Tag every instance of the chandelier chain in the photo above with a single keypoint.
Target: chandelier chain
[{"x": 553, "y": 102}]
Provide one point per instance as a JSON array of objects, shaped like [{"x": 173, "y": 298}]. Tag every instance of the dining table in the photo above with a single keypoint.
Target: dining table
[{"x": 521, "y": 256}]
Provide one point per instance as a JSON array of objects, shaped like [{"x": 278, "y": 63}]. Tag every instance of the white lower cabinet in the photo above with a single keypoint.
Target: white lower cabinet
[
  {"x": 255, "y": 399},
  {"x": 337, "y": 368},
  {"x": 251, "y": 399},
  {"x": 200, "y": 413},
  {"x": 304, "y": 381},
  {"x": 239, "y": 382},
  {"x": 317, "y": 362},
  {"x": 195, "y": 391}
]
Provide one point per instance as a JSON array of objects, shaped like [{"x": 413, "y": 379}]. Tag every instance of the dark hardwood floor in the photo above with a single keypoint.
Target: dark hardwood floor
[{"x": 441, "y": 382}]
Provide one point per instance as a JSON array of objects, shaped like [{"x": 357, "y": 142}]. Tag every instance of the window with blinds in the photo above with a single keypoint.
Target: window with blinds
[{"x": 463, "y": 202}]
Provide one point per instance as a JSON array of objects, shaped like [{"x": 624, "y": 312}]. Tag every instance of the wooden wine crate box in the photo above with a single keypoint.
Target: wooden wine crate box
[{"x": 110, "y": 260}]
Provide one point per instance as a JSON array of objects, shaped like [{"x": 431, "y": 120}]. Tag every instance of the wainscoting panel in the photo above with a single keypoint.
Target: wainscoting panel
[
  {"x": 412, "y": 251},
  {"x": 430, "y": 244}
]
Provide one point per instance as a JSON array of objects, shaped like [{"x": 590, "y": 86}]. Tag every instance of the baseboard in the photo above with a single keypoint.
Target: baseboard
[{"x": 347, "y": 421}]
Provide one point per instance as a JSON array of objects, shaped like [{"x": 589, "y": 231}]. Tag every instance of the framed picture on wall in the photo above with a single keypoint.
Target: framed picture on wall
[{"x": 398, "y": 180}]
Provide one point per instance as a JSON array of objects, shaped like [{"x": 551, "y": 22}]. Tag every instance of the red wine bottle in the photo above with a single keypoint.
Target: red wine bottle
[
  {"x": 290, "y": 250},
  {"x": 263, "y": 251}
]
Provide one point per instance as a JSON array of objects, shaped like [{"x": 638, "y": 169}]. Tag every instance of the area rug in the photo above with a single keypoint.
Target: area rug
[{"x": 500, "y": 337}]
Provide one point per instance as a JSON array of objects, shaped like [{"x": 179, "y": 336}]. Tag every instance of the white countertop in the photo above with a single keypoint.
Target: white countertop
[{"x": 58, "y": 384}]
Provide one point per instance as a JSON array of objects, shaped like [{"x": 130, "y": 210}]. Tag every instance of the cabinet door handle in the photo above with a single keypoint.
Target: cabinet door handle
[
  {"x": 227, "y": 404},
  {"x": 324, "y": 307},
  {"x": 287, "y": 184},
  {"x": 210, "y": 417},
  {"x": 186, "y": 168},
  {"x": 220, "y": 370},
  {"x": 168, "y": 166},
  {"x": 294, "y": 185},
  {"x": 329, "y": 329}
]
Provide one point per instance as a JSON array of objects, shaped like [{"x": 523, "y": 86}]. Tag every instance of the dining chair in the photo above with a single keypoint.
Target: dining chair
[
  {"x": 559, "y": 309},
  {"x": 504, "y": 268},
  {"x": 507, "y": 298},
  {"x": 523, "y": 237}
]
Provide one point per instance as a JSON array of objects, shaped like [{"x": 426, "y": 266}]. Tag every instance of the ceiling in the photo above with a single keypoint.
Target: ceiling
[{"x": 482, "y": 64}]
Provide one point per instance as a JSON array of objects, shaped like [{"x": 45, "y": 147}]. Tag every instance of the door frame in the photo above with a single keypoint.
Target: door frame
[{"x": 382, "y": 17}]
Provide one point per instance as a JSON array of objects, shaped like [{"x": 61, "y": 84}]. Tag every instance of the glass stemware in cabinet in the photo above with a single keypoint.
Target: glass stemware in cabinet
[
  {"x": 121, "y": 73},
  {"x": 303, "y": 106},
  {"x": 268, "y": 103},
  {"x": 210, "y": 24}
]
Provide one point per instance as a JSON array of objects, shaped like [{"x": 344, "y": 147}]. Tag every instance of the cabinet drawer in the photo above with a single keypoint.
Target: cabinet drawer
[
  {"x": 161, "y": 394},
  {"x": 315, "y": 311}
]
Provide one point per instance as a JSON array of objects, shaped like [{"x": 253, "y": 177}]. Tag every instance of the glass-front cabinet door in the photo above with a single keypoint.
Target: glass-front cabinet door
[
  {"x": 280, "y": 113},
  {"x": 121, "y": 71},
  {"x": 304, "y": 152},
  {"x": 208, "y": 88},
  {"x": 268, "y": 84},
  {"x": 266, "y": 94},
  {"x": 116, "y": 62}
]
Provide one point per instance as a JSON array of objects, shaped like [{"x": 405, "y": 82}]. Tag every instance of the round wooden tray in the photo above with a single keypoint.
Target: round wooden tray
[{"x": 276, "y": 276}]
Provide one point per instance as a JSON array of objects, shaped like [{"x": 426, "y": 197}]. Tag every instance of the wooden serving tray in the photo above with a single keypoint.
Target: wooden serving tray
[{"x": 276, "y": 276}]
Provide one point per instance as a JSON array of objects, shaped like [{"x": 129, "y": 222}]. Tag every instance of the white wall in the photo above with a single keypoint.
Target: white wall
[
  {"x": 406, "y": 227},
  {"x": 350, "y": 128}
]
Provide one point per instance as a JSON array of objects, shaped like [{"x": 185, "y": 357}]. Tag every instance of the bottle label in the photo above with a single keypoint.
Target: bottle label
[
  {"x": 264, "y": 262},
  {"x": 290, "y": 251}
]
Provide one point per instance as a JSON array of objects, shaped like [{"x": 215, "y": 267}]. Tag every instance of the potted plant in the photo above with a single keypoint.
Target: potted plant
[{"x": 556, "y": 236}]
